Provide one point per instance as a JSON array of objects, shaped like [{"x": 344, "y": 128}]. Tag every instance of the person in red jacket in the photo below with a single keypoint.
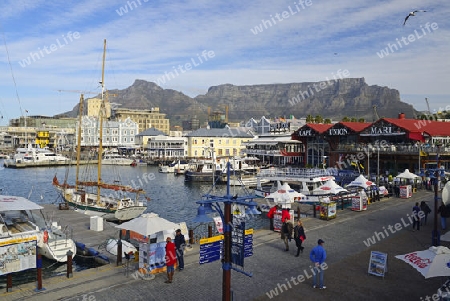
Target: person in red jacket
[
  {"x": 171, "y": 259},
  {"x": 271, "y": 214}
]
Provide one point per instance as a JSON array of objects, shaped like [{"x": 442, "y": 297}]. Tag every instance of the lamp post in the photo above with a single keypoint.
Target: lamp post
[
  {"x": 214, "y": 203},
  {"x": 378, "y": 166},
  {"x": 435, "y": 235}
]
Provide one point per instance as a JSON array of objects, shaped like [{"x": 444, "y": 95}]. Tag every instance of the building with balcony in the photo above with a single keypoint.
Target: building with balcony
[{"x": 160, "y": 146}]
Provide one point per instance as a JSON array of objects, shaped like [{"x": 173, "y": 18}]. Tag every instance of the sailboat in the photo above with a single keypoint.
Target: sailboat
[{"x": 92, "y": 197}]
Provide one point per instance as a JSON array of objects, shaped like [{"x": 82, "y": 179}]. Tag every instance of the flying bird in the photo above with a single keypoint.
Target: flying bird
[{"x": 413, "y": 13}]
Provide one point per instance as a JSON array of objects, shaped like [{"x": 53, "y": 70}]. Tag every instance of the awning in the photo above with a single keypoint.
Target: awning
[{"x": 416, "y": 136}]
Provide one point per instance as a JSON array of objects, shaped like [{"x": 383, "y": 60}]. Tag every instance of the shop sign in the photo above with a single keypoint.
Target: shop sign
[
  {"x": 381, "y": 130},
  {"x": 304, "y": 133},
  {"x": 338, "y": 132}
]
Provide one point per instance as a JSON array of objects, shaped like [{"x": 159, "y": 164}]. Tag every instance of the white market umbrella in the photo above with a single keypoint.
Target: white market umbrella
[
  {"x": 446, "y": 194},
  {"x": 361, "y": 181},
  {"x": 329, "y": 187},
  {"x": 148, "y": 224},
  {"x": 433, "y": 262},
  {"x": 407, "y": 175},
  {"x": 285, "y": 195},
  {"x": 446, "y": 236}
]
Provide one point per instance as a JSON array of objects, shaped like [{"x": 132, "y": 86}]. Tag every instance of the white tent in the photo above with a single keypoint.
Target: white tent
[
  {"x": 433, "y": 262},
  {"x": 361, "y": 181},
  {"x": 285, "y": 195},
  {"x": 148, "y": 223},
  {"x": 329, "y": 187},
  {"x": 407, "y": 175}
]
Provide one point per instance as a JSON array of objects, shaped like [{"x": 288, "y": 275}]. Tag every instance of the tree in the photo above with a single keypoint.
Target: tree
[
  {"x": 353, "y": 119},
  {"x": 327, "y": 121},
  {"x": 318, "y": 119},
  {"x": 309, "y": 119},
  {"x": 345, "y": 119},
  {"x": 362, "y": 120}
]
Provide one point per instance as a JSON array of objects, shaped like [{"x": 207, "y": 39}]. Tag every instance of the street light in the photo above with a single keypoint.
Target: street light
[
  {"x": 226, "y": 216},
  {"x": 435, "y": 235}
]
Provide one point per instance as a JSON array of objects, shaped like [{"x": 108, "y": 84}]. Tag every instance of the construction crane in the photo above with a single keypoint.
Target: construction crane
[
  {"x": 428, "y": 106},
  {"x": 375, "y": 113}
]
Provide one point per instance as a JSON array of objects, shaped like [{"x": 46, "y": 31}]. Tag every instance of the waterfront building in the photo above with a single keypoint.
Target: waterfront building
[
  {"x": 160, "y": 146},
  {"x": 387, "y": 145},
  {"x": 145, "y": 118},
  {"x": 115, "y": 133},
  {"x": 210, "y": 142}
]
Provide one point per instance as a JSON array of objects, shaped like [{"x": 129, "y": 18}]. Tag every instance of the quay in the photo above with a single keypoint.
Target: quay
[
  {"x": 276, "y": 273},
  {"x": 47, "y": 164}
]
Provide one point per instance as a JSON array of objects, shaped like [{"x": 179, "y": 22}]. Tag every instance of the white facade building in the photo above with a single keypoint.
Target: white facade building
[{"x": 115, "y": 133}]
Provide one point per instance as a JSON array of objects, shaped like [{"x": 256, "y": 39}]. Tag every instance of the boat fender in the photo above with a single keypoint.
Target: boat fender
[
  {"x": 45, "y": 236},
  {"x": 104, "y": 257},
  {"x": 93, "y": 252}
]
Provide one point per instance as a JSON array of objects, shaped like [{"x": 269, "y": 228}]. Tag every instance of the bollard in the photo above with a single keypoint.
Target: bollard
[
  {"x": 9, "y": 283},
  {"x": 298, "y": 212},
  {"x": 191, "y": 236},
  {"x": 39, "y": 273},
  {"x": 119, "y": 252},
  {"x": 69, "y": 264},
  {"x": 209, "y": 231},
  {"x": 314, "y": 209}
]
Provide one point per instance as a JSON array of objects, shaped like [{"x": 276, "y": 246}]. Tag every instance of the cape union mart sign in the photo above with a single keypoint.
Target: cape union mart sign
[
  {"x": 338, "y": 132},
  {"x": 305, "y": 133}
]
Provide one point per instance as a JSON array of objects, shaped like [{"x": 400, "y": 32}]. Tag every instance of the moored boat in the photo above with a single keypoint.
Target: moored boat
[{"x": 121, "y": 203}]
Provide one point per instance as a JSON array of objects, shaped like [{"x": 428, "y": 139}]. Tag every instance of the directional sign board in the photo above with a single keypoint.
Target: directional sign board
[{"x": 211, "y": 249}]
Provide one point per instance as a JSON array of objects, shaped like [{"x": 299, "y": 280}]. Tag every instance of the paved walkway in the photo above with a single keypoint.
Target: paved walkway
[{"x": 273, "y": 269}]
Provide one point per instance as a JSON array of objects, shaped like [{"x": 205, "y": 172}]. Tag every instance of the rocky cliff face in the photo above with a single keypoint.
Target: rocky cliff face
[{"x": 336, "y": 99}]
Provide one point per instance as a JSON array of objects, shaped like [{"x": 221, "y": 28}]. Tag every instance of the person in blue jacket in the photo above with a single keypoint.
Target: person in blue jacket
[{"x": 318, "y": 256}]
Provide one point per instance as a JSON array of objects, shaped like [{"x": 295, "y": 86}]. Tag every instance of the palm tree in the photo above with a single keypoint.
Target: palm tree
[
  {"x": 345, "y": 119},
  {"x": 327, "y": 121},
  {"x": 362, "y": 120},
  {"x": 309, "y": 119},
  {"x": 318, "y": 119}
]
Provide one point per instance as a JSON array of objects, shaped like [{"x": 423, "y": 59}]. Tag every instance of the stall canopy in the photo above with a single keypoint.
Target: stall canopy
[
  {"x": 407, "y": 175},
  {"x": 329, "y": 187},
  {"x": 13, "y": 203},
  {"x": 285, "y": 195},
  {"x": 361, "y": 181},
  {"x": 147, "y": 224}
]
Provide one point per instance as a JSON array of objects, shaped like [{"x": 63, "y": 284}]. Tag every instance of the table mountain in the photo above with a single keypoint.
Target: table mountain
[{"x": 335, "y": 99}]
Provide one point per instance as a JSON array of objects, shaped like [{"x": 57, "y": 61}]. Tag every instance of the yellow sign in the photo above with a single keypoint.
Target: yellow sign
[
  {"x": 17, "y": 240},
  {"x": 211, "y": 239}
]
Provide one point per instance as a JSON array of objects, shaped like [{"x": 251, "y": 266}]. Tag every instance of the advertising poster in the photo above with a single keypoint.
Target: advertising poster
[
  {"x": 377, "y": 263},
  {"x": 17, "y": 257}
]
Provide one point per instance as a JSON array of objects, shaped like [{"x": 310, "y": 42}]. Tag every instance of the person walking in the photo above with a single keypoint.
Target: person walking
[
  {"x": 443, "y": 211},
  {"x": 416, "y": 218},
  {"x": 286, "y": 233},
  {"x": 171, "y": 259},
  {"x": 426, "y": 210},
  {"x": 318, "y": 255},
  {"x": 299, "y": 237},
  {"x": 180, "y": 244}
]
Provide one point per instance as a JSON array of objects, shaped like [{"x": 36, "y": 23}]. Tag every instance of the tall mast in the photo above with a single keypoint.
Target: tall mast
[
  {"x": 80, "y": 118},
  {"x": 102, "y": 111}
]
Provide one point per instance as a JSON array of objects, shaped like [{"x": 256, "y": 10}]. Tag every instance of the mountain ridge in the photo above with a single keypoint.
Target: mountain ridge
[{"x": 334, "y": 99}]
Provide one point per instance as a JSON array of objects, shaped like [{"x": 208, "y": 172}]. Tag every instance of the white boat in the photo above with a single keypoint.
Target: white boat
[
  {"x": 17, "y": 221},
  {"x": 247, "y": 181},
  {"x": 121, "y": 203},
  {"x": 203, "y": 171},
  {"x": 55, "y": 242},
  {"x": 32, "y": 155},
  {"x": 114, "y": 158},
  {"x": 177, "y": 166}
]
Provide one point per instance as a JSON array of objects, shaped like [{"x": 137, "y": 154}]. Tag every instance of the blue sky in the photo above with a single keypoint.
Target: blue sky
[{"x": 56, "y": 45}]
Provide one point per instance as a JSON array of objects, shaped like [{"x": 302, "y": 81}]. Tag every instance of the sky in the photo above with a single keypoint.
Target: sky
[{"x": 52, "y": 50}]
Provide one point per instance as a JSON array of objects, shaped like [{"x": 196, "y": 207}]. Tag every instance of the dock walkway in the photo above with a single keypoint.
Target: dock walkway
[{"x": 275, "y": 272}]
